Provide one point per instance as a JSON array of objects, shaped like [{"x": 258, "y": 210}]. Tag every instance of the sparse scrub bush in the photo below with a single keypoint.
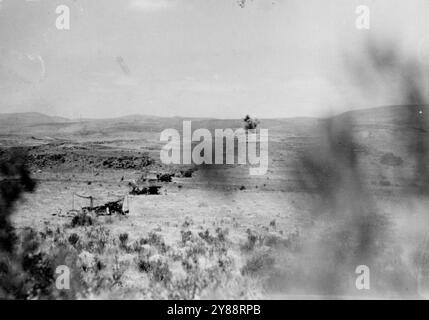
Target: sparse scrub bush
[
  {"x": 188, "y": 222},
  {"x": 221, "y": 234},
  {"x": 201, "y": 263},
  {"x": 33, "y": 270},
  {"x": 186, "y": 236},
  {"x": 196, "y": 268},
  {"x": 40, "y": 272},
  {"x": 81, "y": 219},
  {"x": 206, "y": 236},
  {"x": 136, "y": 246},
  {"x": 97, "y": 239},
  {"x": 252, "y": 240},
  {"x": 385, "y": 183},
  {"x": 270, "y": 239},
  {"x": 390, "y": 159},
  {"x": 73, "y": 239},
  {"x": 187, "y": 173},
  {"x": 275, "y": 241},
  {"x": 118, "y": 271},
  {"x": 123, "y": 241},
  {"x": 156, "y": 241},
  {"x": 259, "y": 263},
  {"x": 156, "y": 266}
]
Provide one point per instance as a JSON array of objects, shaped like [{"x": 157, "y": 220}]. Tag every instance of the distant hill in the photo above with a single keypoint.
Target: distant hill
[
  {"x": 29, "y": 119},
  {"x": 397, "y": 115},
  {"x": 392, "y": 117}
]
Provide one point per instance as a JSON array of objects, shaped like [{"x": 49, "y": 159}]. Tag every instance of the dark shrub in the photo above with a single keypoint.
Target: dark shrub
[
  {"x": 389, "y": 159},
  {"x": 81, "y": 219},
  {"x": 73, "y": 239},
  {"x": 123, "y": 238}
]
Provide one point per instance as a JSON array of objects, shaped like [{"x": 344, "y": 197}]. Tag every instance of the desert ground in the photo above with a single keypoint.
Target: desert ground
[{"x": 340, "y": 192}]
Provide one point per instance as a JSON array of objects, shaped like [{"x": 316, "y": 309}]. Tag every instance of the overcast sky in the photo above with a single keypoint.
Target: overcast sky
[{"x": 208, "y": 58}]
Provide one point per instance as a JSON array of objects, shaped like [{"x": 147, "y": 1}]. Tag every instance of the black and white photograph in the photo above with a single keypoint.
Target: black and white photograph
[{"x": 214, "y": 150}]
